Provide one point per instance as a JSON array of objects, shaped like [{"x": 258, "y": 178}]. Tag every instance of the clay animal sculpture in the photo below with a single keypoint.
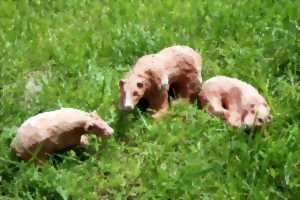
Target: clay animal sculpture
[
  {"x": 235, "y": 101},
  {"x": 48, "y": 132},
  {"x": 153, "y": 76}
]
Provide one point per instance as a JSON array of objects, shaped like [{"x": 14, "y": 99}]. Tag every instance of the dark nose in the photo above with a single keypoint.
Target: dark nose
[{"x": 128, "y": 107}]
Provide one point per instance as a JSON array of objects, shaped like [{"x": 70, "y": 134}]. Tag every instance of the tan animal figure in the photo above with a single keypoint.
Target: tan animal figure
[
  {"x": 235, "y": 101},
  {"x": 48, "y": 132},
  {"x": 176, "y": 67}
]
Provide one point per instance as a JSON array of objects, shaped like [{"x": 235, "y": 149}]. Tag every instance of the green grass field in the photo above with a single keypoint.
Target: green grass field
[{"x": 72, "y": 54}]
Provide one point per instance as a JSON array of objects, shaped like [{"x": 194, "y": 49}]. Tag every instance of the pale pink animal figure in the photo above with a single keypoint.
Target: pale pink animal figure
[
  {"x": 48, "y": 132},
  {"x": 235, "y": 101},
  {"x": 178, "y": 67}
]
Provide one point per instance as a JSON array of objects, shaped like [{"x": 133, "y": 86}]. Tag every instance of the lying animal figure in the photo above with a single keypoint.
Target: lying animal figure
[
  {"x": 235, "y": 101},
  {"x": 177, "y": 68},
  {"x": 51, "y": 131}
]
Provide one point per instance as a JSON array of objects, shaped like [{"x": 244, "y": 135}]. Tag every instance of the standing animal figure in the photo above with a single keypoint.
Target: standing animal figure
[
  {"x": 174, "y": 68},
  {"x": 48, "y": 132},
  {"x": 235, "y": 101}
]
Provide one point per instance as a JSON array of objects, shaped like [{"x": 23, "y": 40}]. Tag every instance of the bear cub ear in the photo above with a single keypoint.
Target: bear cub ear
[
  {"x": 89, "y": 126},
  {"x": 121, "y": 82}
]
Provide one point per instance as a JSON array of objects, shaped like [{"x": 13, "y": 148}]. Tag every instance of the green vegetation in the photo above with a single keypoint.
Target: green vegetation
[{"x": 77, "y": 51}]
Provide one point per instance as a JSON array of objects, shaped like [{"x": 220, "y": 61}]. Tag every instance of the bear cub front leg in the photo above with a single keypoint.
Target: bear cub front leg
[{"x": 159, "y": 104}]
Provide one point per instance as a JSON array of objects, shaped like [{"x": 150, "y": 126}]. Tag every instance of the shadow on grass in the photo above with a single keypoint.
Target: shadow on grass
[
  {"x": 72, "y": 156},
  {"x": 127, "y": 120},
  {"x": 69, "y": 157}
]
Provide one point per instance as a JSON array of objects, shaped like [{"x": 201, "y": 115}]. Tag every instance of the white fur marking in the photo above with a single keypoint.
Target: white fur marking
[
  {"x": 165, "y": 82},
  {"x": 128, "y": 101}
]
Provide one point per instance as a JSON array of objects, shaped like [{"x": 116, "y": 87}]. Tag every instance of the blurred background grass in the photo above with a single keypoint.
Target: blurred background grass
[{"x": 72, "y": 54}]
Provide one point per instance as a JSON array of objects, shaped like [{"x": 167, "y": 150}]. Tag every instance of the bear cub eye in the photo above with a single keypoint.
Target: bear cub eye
[{"x": 140, "y": 85}]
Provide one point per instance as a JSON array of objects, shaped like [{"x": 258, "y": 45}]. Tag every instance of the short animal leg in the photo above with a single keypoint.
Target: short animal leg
[
  {"x": 183, "y": 90},
  {"x": 233, "y": 103},
  {"x": 160, "y": 104},
  {"x": 190, "y": 88},
  {"x": 84, "y": 141},
  {"x": 215, "y": 107},
  {"x": 194, "y": 90},
  {"x": 234, "y": 119}
]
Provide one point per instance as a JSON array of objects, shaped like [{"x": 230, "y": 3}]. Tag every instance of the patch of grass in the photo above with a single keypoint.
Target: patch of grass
[{"x": 78, "y": 50}]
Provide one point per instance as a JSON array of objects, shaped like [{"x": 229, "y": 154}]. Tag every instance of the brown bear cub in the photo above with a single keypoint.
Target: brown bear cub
[
  {"x": 177, "y": 68},
  {"x": 56, "y": 130},
  {"x": 237, "y": 102}
]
